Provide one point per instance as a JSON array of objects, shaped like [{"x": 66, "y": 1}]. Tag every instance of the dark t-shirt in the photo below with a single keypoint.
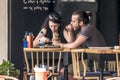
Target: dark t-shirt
[{"x": 94, "y": 37}]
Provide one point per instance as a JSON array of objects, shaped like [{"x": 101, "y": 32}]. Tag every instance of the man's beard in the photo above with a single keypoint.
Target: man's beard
[{"x": 77, "y": 27}]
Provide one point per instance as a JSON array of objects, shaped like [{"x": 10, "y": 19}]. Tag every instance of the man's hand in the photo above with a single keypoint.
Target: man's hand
[
  {"x": 69, "y": 33},
  {"x": 69, "y": 27}
]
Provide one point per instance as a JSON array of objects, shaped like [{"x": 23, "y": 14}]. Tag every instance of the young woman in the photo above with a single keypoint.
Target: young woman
[{"x": 52, "y": 24}]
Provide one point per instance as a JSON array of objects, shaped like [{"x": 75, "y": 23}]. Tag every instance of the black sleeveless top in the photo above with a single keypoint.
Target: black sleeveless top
[{"x": 60, "y": 32}]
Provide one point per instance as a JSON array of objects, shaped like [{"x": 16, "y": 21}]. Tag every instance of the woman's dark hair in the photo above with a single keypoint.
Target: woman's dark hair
[
  {"x": 82, "y": 16},
  {"x": 56, "y": 18}
]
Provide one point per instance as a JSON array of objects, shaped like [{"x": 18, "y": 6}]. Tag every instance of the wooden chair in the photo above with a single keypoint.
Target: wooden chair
[
  {"x": 4, "y": 77},
  {"x": 111, "y": 65},
  {"x": 42, "y": 56},
  {"x": 78, "y": 73},
  {"x": 117, "y": 52},
  {"x": 114, "y": 78},
  {"x": 115, "y": 65},
  {"x": 111, "y": 68}
]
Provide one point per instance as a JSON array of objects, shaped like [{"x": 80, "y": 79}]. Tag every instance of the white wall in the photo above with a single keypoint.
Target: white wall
[{"x": 3, "y": 30}]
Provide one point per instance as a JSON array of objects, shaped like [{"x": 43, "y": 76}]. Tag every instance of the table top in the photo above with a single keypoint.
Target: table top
[
  {"x": 116, "y": 50},
  {"x": 87, "y": 50},
  {"x": 42, "y": 49},
  {"x": 99, "y": 51},
  {"x": 47, "y": 49}
]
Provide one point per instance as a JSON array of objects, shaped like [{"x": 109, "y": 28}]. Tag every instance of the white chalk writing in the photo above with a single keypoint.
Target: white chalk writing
[{"x": 34, "y": 5}]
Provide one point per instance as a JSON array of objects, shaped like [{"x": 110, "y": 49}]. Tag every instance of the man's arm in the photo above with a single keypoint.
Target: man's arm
[{"x": 75, "y": 44}]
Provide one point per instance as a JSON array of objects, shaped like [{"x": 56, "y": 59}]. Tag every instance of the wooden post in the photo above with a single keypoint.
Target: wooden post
[{"x": 119, "y": 41}]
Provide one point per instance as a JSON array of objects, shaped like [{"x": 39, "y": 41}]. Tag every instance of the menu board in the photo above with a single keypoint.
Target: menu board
[
  {"x": 40, "y": 5},
  {"x": 35, "y": 12}
]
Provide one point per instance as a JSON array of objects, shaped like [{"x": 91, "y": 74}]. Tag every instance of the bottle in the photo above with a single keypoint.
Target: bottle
[
  {"x": 29, "y": 38},
  {"x": 25, "y": 43}
]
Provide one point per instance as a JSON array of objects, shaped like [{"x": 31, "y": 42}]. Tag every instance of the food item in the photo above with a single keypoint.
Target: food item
[
  {"x": 55, "y": 35},
  {"x": 46, "y": 45}
]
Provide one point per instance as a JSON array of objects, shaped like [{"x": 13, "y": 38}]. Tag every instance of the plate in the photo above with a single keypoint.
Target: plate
[
  {"x": 51, "y": 46},
  {"x": 56, "y": 38},
  {"x": 100, "y": 48}
]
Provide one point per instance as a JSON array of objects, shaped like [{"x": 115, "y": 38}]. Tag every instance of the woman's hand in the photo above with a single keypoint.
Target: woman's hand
[
  {"x": 56, "y": 42},
  {"x": 46, "y": 40}
]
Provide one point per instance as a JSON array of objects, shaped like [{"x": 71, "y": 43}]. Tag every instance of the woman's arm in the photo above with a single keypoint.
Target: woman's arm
[
  {"x": 36, "y": 40},
  {"x": 39, "y": 36}
]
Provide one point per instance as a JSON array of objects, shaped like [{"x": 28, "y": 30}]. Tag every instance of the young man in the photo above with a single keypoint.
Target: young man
[{"x": 88, "y": 35}]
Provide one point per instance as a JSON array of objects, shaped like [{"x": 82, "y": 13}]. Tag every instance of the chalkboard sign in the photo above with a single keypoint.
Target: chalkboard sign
[
  {"x": 41, "y": 5},
  {"x": 35, "y": 12}
]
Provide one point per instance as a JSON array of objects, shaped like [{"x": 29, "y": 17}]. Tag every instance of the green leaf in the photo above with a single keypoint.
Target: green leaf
[{"x": 7, "y": 68}]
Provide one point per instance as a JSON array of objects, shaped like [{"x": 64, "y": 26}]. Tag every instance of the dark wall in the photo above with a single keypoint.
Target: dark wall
[
  {"x": 15, "y": 33},
  {"x": 67, "y": 8},
  {"x": 118, "y": 7},
  {"x": 108, "y": 20}
]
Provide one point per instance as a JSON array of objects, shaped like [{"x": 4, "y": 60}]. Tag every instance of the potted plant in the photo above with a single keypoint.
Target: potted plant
[{"x": 7, "y": 68}]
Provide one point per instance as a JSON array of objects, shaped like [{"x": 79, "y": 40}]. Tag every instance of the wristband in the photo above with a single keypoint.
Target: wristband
[{"x": 61, "y": 45}]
